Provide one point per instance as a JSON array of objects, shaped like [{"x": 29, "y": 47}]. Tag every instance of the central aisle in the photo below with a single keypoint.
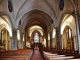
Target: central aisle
[{"x": 36, "y": 55}]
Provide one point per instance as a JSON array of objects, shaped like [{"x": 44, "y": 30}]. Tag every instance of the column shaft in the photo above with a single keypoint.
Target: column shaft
[
  {"x": 58, "y": 37},
  {"x": 13, "y": 41}
]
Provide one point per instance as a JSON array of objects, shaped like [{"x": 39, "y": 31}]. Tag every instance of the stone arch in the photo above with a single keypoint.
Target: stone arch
[
  {"x": 69, "y": 20},
  {"x": 71, "y": 26},
  {"x": 38, "y": 20},
  {"x": 41, "y": 31},
  {"x": 30, "y": 9},
  {"x": 5, "y": 23},
  {"x": 64, "y": 22}
]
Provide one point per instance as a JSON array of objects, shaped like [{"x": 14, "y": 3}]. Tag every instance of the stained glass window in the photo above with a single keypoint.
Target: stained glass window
[{"x": 36, "y": 38}]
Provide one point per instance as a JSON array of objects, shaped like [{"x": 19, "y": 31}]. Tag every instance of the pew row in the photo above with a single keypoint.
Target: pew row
[
  {"x": 75, "y": 59},
  {"x": 22, "y": 54},
  {"x": 50, "y": 56}
]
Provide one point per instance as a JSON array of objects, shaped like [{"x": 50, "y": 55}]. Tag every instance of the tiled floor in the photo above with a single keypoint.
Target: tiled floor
[{"x": 36, "y": 55}]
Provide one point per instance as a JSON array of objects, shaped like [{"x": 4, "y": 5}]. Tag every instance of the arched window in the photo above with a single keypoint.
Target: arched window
[{"x": 36, "y": 38}]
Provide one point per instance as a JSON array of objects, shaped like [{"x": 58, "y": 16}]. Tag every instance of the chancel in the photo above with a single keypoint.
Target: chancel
[{"x": 39, "y": 29}]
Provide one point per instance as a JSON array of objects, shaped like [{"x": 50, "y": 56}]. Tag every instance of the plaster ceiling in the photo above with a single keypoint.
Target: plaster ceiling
[{"x": 35, "y": 12}]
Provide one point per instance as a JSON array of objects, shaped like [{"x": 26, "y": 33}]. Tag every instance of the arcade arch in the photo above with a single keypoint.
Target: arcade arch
[
  {"x": 5, "y": 32},
  {"x": 68, "y": 33},
  {"x": 35, "y": 32}
]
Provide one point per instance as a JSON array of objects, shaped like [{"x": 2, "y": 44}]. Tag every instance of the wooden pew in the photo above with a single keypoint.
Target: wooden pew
[
  {"x": 62, "y": 52},
  {"x": 66, "y": 52},
  {"x": 50, "y": 56},
  {"x": 60, "y": 58},
  {"x": 16, "y": 54},
  {"x": 74, "y": 59}
]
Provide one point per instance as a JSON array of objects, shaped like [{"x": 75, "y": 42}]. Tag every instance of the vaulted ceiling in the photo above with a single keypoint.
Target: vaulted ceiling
[{"x": 26, "y": 13}]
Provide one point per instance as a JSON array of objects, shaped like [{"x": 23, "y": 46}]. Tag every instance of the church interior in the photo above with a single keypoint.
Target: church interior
[{"x": 39, "y": 30}]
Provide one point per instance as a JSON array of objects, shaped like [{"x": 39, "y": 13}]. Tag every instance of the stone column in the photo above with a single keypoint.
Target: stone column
[
  {"x": 13, "y": 41},
  {"x": 75, "y": 43},
  {"x": 6, "y": 36},
  {"x": 20, "y": 42},
  {"x": 50, "y": 39},
  {"x": 52, "y": 42},
  {"x": 24, "y": 42},
  {"x": 0, "y": 36},
  {"x": 76, "y": 14},
  {"x": 78, "y": 28},
  {"x": 46, "y": 40},
  {"x": 58, "y": 37},
  {"x": 61, "y": 37}
]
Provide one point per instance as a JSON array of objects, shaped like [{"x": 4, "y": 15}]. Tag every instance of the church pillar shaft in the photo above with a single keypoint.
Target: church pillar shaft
[
  {"x": 24, "y": 42},
  {"x": 13, "y": 41},
  {"x": 76, "y": 14},
  {"x": 46, "y": 40},
  {"x": 20, "y": 42},
  {"x": 51, "y": 39},
  {"x": 62, "y": 43},
  {"x": 58, "y": 37},
  {"x": 75, "y": 44},
  {"x": 78, "y": 29},
  {"x": 0, "y": 36}
]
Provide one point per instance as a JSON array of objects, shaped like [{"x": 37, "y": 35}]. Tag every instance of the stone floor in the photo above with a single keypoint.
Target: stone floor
[{"x": 36, "y": 55}]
